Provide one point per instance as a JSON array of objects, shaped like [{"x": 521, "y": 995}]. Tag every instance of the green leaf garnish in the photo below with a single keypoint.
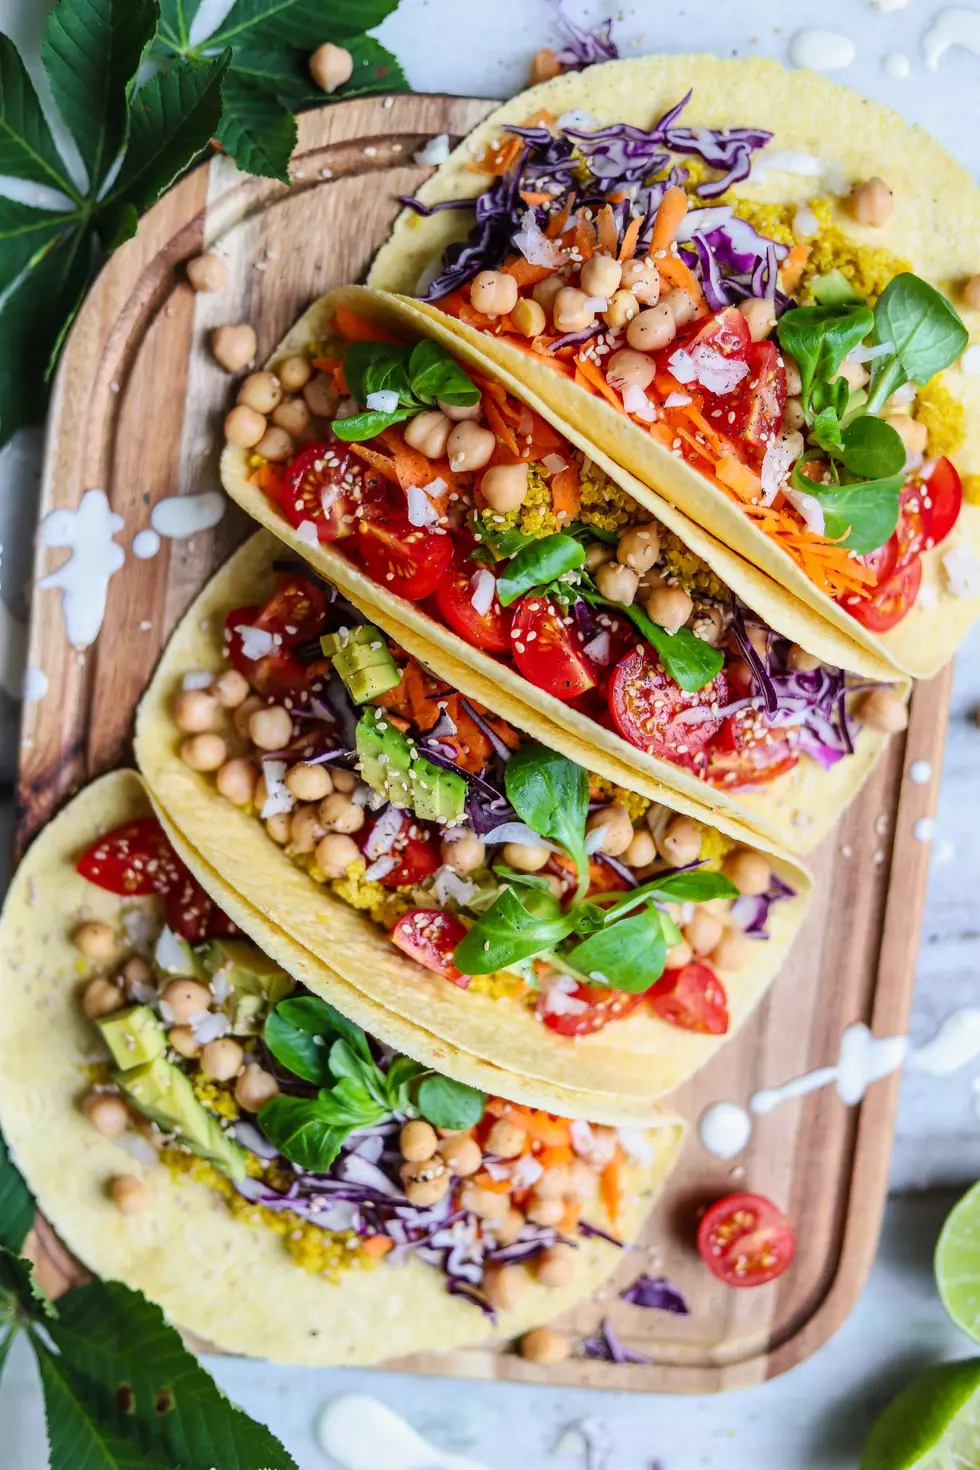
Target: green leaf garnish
[
  {"x": 690, "y": 661},
  {"x": 509, "y": 933},
  {"x": 16, "y": 1202},
  {"x": 925, "y": 332},
  {"x": 864, "y": 513},
  {"x": 625, "y": 956},
  {"x": 819, "y": 338},
  {"x": 417, "y": 374},
  {"x": 550, "y": 794},
  {"x": 449, "y": 1104},
  {"x": 433, "y": 374},
  {"x": 538, "y": 563}
]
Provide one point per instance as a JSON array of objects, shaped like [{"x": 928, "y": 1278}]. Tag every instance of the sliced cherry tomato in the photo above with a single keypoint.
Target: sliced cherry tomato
[
  {"x": 544, "y": 651},
  {"x": 134, "y": 860},
  {"x": 644, "y": 702},
  {"x": 416, "y": 855},
  {"x": 890, "y": 602},
  {"x": 602, "y": 1005},
  {"x": 295, "y": 611},
  {"x": 693, "y": 998},
  {"x": 326, "y": 484},
  {"x": 402, "y": 558},
  {"x": 454, "y": 596},
  {"x": 272, "y": 674},
  {"x": 727, "y": 332},
  {"x": 746, "y": 1240},
  {"x": 884, "y": 560},
  {"x": 430, "y": 936},
  {"x": 759, "y": 400},
  {"x": 941, "y": 502},
  {"x": 910, "y": 533},
  {"x": 746, "y": 752},
  {"x": 192, "y": 914},
  {"x": 620, "y": 638}
]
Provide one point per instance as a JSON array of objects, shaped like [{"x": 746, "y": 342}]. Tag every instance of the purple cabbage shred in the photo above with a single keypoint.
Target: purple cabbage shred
[
  {"x": 584, "y": 48},
  {"x": 657, "y": 1293},
  {"x": 608, "y": 1348}
]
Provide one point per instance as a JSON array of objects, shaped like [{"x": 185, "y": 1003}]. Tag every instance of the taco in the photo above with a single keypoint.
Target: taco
[
  {"x": 494, "y": 551},
  {"x": 462, "y": 875},
  {"x": 726, "y": 274},
  {"x": 199, "y": 1125}
]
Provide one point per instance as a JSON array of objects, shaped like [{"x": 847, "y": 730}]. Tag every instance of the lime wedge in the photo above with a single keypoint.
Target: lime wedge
[
  {"x": 934, "y": 1424},
  {"x": 958, "y": 1264}
]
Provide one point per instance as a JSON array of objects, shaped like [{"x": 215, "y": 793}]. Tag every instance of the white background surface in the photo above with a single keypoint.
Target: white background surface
[{"x": 815, "y": 1417}]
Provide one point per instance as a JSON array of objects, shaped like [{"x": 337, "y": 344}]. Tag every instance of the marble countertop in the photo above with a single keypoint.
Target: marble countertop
[{"x": 817, "y": 1415}]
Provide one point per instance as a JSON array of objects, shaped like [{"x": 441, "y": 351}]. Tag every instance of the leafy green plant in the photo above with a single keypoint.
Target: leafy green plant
[
  {"x": 414, "y": 376},
  {"x": 121, "y": 1392}
]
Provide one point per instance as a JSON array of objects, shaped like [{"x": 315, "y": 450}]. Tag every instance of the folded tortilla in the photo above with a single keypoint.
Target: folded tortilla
[
  {"x": 228, "y": 1282},
  {"x": 934, "y": 226}
]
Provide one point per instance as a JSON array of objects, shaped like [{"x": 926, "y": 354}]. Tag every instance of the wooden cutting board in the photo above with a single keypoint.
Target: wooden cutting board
[{"x": 137, "y": 412}]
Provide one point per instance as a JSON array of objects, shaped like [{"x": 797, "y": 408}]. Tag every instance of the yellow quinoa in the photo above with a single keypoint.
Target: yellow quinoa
[
  {"x": 868, "y": 268},
  {"x": 217, "y": 1097},
  {"x": 943, "y": 415},
  {"x": 606, "y": 505},
  {"x": 498, "y": 986},
  {"x": 693, "y": 574},
  {"x": 714, "y": 847},
  {"x": 602, "y": 789},
  {"x": 971, "y": 489},
  {"x": 385, "y": 905},
  {"x": 535, "y": 516},
  {"x": 775, "y": 221}
]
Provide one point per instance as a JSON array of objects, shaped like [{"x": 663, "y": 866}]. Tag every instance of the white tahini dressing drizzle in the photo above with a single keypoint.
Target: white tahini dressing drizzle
[
  {"x": 955, "y": 1043},
  {"x": 920, "y": 772},
  {"x": 820, "y": 50},
  {"x": 956, "y": 26},
  {"x": 361, "y": 1433},
  {"x": 35, "y": 685},
  {"x": 145, "y": 544},
  {"x": 896, "y": 65},
  {"x": 724, "y": 1129},
  {"x": 180, "y": 516},
  {"x": 84, "y": 578}
]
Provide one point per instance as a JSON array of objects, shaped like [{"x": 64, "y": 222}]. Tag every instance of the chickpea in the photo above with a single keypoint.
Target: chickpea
[
  {"x": 708, "y": 624},
  {"x": 760, "y": 316},
  {"x": 508, "y": 1230},
  {"x": 732, "y": 950},
  {"x": 278, "y": 827},
  {"x": 136, "y": 971},
  {"x": 335, "y": 853},
  {"x": 703, "y": 931},
  {"x": 101, "y": 997},
  {"x": 230, "y": 688},
  {"x": 854, "y": 374},
  {"x": 244, "y": 427},
  {"x": 107, "y": 1113},
  {"x": 583, "y": 1183},
  {"x": 494, "y": 293},
  {"x": 417, "y": 1141},
  {"x": 204, "y": 752},
  {"x": 331, "y": 66},
  {"x": 544, "y": 1211},
  {"x": 234, "y": 347},
  {"x": 525, "y": 857},
  {"x": 639, "y": 547},
  {"x": 236, "y": 781},
  {"x": 556, "y": 1265},
  {"x": 462, "y": 1154},
  {"x": 186, "y": 999},
  {"x": 320, "y": 396},
  {"x": 642, "y": 850},
  {"x": 617, "y": 582},
  {"x": 470, "y": 446},
  {"x": 628, "y": 368},
  {"x": 195, "y": 710},
  {"x": 427, "y": 432},
  {"x": 464, "y": 854},
  {"x": 255, "y": 1087},
  {"x": 597, "y": 555},
  {"x": 345, "y": 781},
  {"x": 652, "y": 329},
  {"x": 570, "y": 312},
  {"x": 275, "y": 445},
  {"x": 601, "y": 276},
  {"x": 504, "y": 1286},
  {"x": 207, "y": 272},
  {"x": 305, "y": 830},
  {"x": 294, "y": 373},
  {"x": 222, "y": 1059},
  {"x": 486, "y": 1204},
  {"x": 244, "y": 713},
  {"x": 794, "y": 382},
  {"x": 680, "y": 842},
  {"x": 309, "y": 782},
  {"x": 545, "y": 291},
  {"x": 529, "y": 317},
  {"x": 184, "y": 1042},
  {"x": 96, "y": 940},
  {"x": 749, "y": 871},
  {"x": 871, "y": 202},
  {"x": 670, "y": 607},
  {"x": 544, "y": 66},
  {"x": 793, "y": 416},
  {"x": 800, "y": 661},
  {"x": 912, "y": 432},
  {"x": 971, "y": 292},
  {"x": 682, "y": 305},
  {"x": 553, "y": 1183},
  {"x": 425, "y": 1182},
  {"x": 883, "y": 710},
  {"x": 504, "y": 487},
  {"x": 339, "y": 814},
  {"x": 261, "y": 391},
  {"x": 457, "y": 413},
  {"x": 128, "y": 1194},
  {"x": 506, "y": 1140},
  {"x": 642, "y": 278},
  {"x": 678, "y": 956},
  {"x": 545, "y": 1346},
  {"x": 616, "y": 828},
  {"x": 623, "y": 307},
  {"x": 271, "y": 728}
]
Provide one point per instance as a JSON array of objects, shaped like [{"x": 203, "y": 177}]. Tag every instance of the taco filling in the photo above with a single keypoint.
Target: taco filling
[
  {"x": 795, "y": 368},
  {"x": 486, "y": 857},
  {"x": 304, "y": 1125},
  {"x": 449, "y": 492}
]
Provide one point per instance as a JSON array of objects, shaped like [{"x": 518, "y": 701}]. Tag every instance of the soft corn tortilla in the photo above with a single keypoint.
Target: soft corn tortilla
[
  {"x": 793, "y": 812},
  {"x": 228, "y": 1282},
  {"x": 637, "y": 1059},
  {"x": 935, "y": 226}
]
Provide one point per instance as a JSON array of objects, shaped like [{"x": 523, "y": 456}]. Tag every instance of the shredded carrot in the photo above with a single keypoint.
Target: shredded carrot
[
  {"x": 628, "y": 248},
  {"x": 413, "y": 468},
  {"x": 583, "y": 239},
  {"x": 270, "y": 479},
  {"x": 530, "y": 196},
  {"x": 792, "y": 267},
  {"x": 526, "y": 274},
  {"x": 557, "y": 223},
  {"x": 568, "y": 1224},
  {"x": 410, "y": 697},
  {"x": 617, "y": 196},
  {"x": 380, "y": 462},
  {"x": 566, "y": 494},
  {"x": 595, "y": 379},
  {"x": 498, "y": 424},
  {"x": 499, "y": 157},
  {"x": 670, "y": 212},
  {"x": 377, "y": 1246},
  {"x": 673, "y": 270},
  {"x": 334, "y": 368},
  {"x": 533, "y": 349},
  {"x": 608, "y": 231},
  {"x": 554, "y": 1154},
  {"x": 357, "y": 328},
  {"x": 611, "y": 1185},
  {"x": 738, "y": 477},
  {"x": 487, "y": 1181},
  {"x": 551, "y": 1131}
]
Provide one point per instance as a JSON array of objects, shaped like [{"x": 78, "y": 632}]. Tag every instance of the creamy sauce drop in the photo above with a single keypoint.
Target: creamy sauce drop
[
  {"x": 924, "y": 829},
  {"x": 920, "y": 772},
  {"x": 953, "y": 27},
  {"x": 95, "y": 557},
  {"x": 35, "y": 685},
  {"x": 820, "y": 50},
  {"x": 886, "y": 5},
  {"x": 896, "y": 65},
  {"x": 724, "y": 1129},
  {"x": 955, "y": 1043},
  {"x": 145, "y": 544},
  {"x": 361, "y": 1433},
  {"x": 180, "y": 516},
  {"x": 862, "y": 1059}
]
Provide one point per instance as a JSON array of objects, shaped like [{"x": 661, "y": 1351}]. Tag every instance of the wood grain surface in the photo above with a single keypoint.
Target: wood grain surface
[{"x": 137, "y": 412}]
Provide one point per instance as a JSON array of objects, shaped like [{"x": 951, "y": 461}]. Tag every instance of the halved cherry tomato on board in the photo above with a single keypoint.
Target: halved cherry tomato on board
[
  {"x": 746, "y": 752},
  {"x": 602, "y": 1006},
  {"x": 133, "y": 860},
  {"x": 888, "y": 604},
  {"x": 760, "y": 398},
  {"x": 544, "y": 651},
  {"x": 402, "y": 558},
  {"x": 273, "y": 674},
  {"x": 746, "y": 1240},
  {"x": 326, "y": 484},
  {"x": 416, "y": 856},
  {"x": 644, "y": 702},
  {"x": 489, "y": 630},
  {"x": 941, "y": 502},
  {"x": 692, "y": 998},
  {"x": 430, "y": 936}
]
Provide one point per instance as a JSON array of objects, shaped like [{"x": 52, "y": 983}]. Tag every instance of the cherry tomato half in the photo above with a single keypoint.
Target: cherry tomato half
[
  {"x": 759, "y": 400},
  {"x": 942, "y": 502},
  {"x": 692, "y": 998},
  {"x": 191, "y": 914},
  {"x": 883, "y": 561},
  {"x": 134, "y": 860},
  {"x": 430, "y": 936},
  {"x": 295, "y": 611},
  {"x": 402, "y": 558},
  {"x": 273, "y": 674},
  {"x": 746, "y": 752},
  {"x": 746, "y": 1240},
  {"x": 416, "y": 855},
  {"x": 326, "y": 484},
  {"x": 889, "y": 603},
  {"x": 644, "y": 702},
  {"x": 544, "y": 651},
  {"x": 727, "y": 332},
  {"x": 602, "y": 1006},
  {"x": 454, "y": 596}
]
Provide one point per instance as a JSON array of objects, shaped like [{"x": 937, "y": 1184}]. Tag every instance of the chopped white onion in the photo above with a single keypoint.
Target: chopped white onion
[
  {"x": 716, "y": 373},
  {"x": 594, "y": 839},
  {"x": 578, "y": 118},
  {"x": 636, "y": 1142},
  {"x": 596, "y": 303},
  {"x": 861, "y": 354},
  {"x": 558, "y": 999},
  {"x": 199, "y": 679},
  {"x": 554, "y": 464},
  {"x": 962, "y": 571},
  {"x": 140, "y": 927},
  {"x": 209, "y": 1026},
  {"x": 170, "y": 953},
  {"x": 256, "y": 642},
  {"x": 421, "y": 511},
  {"x": 434, "y": 152},
  {"x": 777, "y": 463},
  {"x": 599, "y": 648},
  {"x": 583, "y": 1139},
  {"x": 683, "y": 366},
  {"x": 446, "y": 884},
  {"x": 809, "y": 508},
  {"x": 518, "y": 832},
  {"x": 805, "y": 223},
  {"x": 534, "y": 244},
  {"x": 306, "y": 532},
  {"x": 221, "y": 986},
  {"x": 380, "y": 868},
  {"x": 636, "y": 402},
  {"x": 385, "y": 400},
  {"x": 483, "y": 586},
  {"x": 384, "y": 832},
  {"x": 279, "y": 799},
  {"x": 526, "y": 1172},
  {"x": 676, "y": 400}
]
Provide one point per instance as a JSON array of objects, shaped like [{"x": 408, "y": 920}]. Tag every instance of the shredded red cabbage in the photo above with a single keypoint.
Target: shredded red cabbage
[
  {"x": 608, "y": 1347},
  {"x": 750, "y": 913},
  {"x": 584, "y": 48},
  {"x": 657, "y": 1293}
]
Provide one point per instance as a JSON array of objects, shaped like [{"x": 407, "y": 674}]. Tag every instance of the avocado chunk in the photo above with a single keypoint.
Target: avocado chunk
[
  {"x": 391, "y": 765},
  {"x": 162, "y": 1093},
  {"x": 834, "y": 289},
  {"x": 134, "y": 1036},
  {"x": 361, "y": 658},
  {"x": 257, "y": 983}
]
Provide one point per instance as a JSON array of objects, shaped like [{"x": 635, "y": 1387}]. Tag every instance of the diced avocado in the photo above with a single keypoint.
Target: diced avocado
[
  {"x": 162, "y": 1093},
  {"x": 257, "y": 983},
  {"x": 361, "y": 658},
  {"x": 833, "y": 289},
  {"x": 174, "y": 956},
  {"x": 437, "y": 795},
  {"x": 134, "y": 1036},
  {"x": 389, "y": 764}
]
